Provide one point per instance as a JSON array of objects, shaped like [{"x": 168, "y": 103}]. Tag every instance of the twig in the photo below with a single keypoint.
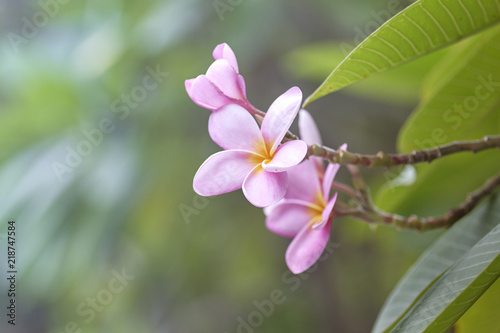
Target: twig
[
  {"x": 367, "y": 212},
  {"x": 447, "y": 220},
  {"x": 417, "y": 156}
]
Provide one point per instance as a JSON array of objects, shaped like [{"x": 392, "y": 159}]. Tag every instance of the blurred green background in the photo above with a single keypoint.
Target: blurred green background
[{"x": 71, "y": 69}]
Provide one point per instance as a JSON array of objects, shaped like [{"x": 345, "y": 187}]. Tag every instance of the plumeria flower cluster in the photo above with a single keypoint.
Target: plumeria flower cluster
[
  {"x": 270, "y": 173},
  {"x": 253, "y": 158}
]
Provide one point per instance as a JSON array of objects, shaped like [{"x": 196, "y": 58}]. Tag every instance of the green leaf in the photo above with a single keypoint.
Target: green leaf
[
  {"x": 456, "y": 291},
  {"x": 452, "y": 245},
  {"x": 445, "y": 115},
  {"x": 422, "y": 293},
  {"x": 483, "y": 315},
  {"x": 459, "y": 99},
  {"x": 314, "y": 61},
  {"x": 456, "y": 59},
  {"x": 423, "y": 27}
]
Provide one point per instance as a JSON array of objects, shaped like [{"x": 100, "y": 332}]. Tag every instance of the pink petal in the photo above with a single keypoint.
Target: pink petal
[
  {"x": 223, "y": 172},
  {"x": 318, "y": 163},
  {"x": 232, "y": 127},
  {"x": 264, "y": 188},
  {"x": 306, "y": 248},
  {"x": 204, "y": 93},
  {"x": 286, "y": 156},
  {"x": 308, "y": 130},
  {"x": 242, "y": 86},
  {"x": 188, "y": 84},
  {"x": 225, "y": 77},
  {"x": 279, "y": 117},
  {"x": 325, "y": 216},
  {"x": 267, "y": 210},
  {"x": 330, "y": 173},
  {"x": 310, "y": 134},
  {"x": 223, "y": 51},
  {"x": 303, "y": 182},
  {"x": 288, "y": 217}
]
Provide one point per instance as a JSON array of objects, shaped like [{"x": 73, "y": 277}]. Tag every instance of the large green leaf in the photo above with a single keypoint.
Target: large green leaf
[
  {"x": 423, "y": 27},
  {"x": 475, "y": 63},
  {"x": 452, "y": 245},
  {"x": 459, "y": 97},
  {"x": 483, "y": 315},
  {"x": 448, "y": 299}
]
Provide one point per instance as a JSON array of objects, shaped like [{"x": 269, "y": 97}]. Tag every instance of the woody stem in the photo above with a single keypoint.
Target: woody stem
[
  {"x": 417, "y": 156},
  {"x": 366, "y": 211}
]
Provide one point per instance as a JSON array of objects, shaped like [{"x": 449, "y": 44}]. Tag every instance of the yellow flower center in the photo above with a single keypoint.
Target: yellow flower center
[{"x": 317, "y": 208}]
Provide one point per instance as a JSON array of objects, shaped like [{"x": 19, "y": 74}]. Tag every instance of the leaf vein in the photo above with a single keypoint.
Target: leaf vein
[
  {"x": 346, "y": 80},
  {"x": 436, "y": 22},
  {"x": 484, "y": 10},
  {"x": 421, "y": 30},
  {"x": 366, "y": 62},
  {"x": 471, "y": 266},
  {"x": 413, "y": 46},
  {"x": 468, "y": 14},
  {"x": 483, "y": 253},
  {"x": 392, "y": 47},
  {"x": 452, "y": 17},
  {"x": 351, "y": 72},
  {"x": 380, "y": 54}
]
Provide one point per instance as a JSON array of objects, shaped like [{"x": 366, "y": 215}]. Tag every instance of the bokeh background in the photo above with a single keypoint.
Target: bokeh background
[{"x": 128, "y": 208}]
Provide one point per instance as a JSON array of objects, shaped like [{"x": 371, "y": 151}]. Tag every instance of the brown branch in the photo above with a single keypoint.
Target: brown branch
[
  {"x": 453, "y": 215},
  {"x": 369, "y": 213},
  {"x": 417, "y": 156}
]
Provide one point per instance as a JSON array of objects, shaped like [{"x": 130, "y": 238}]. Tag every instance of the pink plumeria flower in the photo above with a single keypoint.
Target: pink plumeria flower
[
  {"x": 254, "y": 159},
  {"x": 221, "y": 85},
  {"x": 305, "y": 213}
]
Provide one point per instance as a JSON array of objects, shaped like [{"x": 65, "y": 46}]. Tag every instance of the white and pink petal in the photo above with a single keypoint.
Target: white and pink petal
[
  {"x": 288, "y": 217},
  {"x": 206, "y": 94},
  {"x": 307, "y": 128},
  {"x": 223, "y": 172},
  {"x": 262, "y": 188},
  {"x": 330, "y": 173},
  {"x": 286, "y": 156},
  {"x": 280, "y": 117},
  {"x": 225, "y": 77},
  {"x": 223, "y": 51},
  {"x": 242, "y": 86},
  {"x": 232, "y": 127},
  {"x": 306, "y": 248},
  {"x": 303, "y": 182}
]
